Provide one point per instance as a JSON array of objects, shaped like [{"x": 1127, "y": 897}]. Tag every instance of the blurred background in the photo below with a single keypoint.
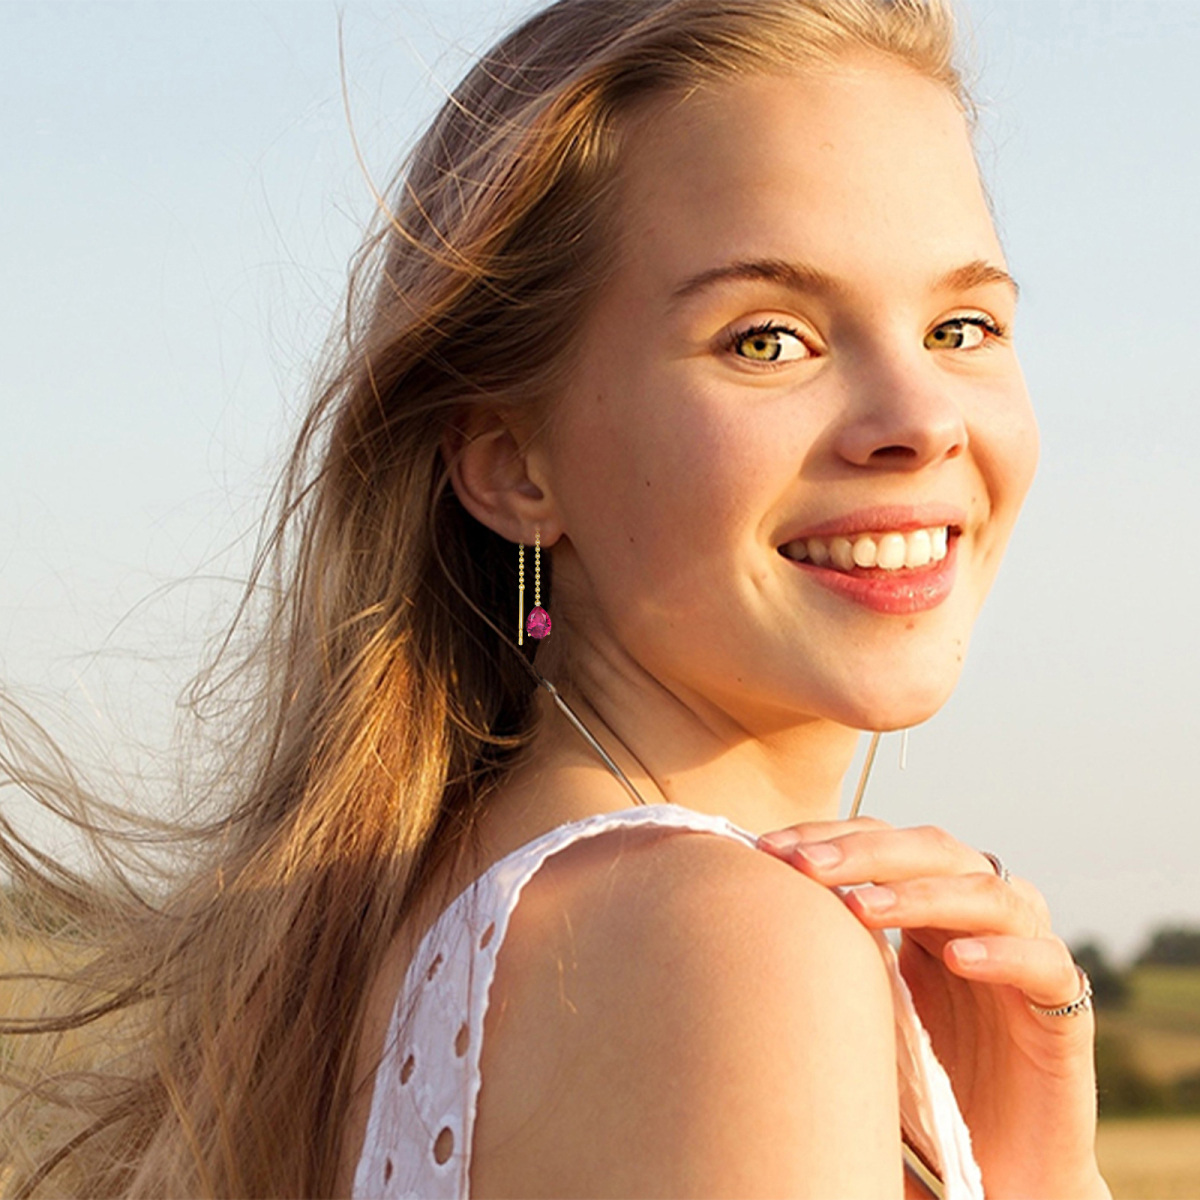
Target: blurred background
[{"x": 181, "y": 196}]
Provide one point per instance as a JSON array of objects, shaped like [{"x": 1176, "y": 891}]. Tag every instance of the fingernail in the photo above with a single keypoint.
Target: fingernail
[
  {"x": 875, "y": 899},
  {"x": 820, "y": 854},
  {"x": 969, "y": 951},
  {"x": 781, "y": 839}
]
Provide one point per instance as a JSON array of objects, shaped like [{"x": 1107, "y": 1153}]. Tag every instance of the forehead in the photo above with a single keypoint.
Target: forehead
[{"x": 865, "y": 164}]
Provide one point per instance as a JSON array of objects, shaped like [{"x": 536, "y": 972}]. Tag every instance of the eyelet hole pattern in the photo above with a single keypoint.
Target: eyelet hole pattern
[
  {"x": 433, "y": 967},
  {"x": 388, "y": 1168},
  {"x": 407, "y": 1069},
  {"x": 462, "y": 1040},
  {"x": 443, "y": 1147},
  {"x": 488, "y": 934}
]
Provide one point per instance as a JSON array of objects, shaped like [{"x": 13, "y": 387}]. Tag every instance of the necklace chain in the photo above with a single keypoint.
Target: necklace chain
[{"x": 569, "y": 713}]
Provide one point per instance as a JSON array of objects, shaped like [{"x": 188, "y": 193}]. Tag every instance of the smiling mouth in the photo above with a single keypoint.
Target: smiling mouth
[{"x": 884, "y": 551}]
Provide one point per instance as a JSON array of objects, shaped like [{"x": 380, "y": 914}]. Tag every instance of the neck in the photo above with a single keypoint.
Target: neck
[{"x": 758, "y": 782}]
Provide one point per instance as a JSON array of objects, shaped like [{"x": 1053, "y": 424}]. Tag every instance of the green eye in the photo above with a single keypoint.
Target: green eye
[
  {"x": 769, "y": 343},
  {"x": 961, "y": 333}
]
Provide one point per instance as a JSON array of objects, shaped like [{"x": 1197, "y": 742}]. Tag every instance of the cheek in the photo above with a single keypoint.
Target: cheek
[
  {"x": 1002, "y": 433},
  {"x": 1006, "y": 446},
  {"x": 665, "y": 482},
  {"x": 1010, "y": 454}
]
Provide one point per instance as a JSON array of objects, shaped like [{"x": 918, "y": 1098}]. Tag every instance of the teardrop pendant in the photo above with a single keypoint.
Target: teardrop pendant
[{"x": 537, "y": 624}]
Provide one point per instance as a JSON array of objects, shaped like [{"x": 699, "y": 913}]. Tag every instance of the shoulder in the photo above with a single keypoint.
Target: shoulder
[{"x": 675, "y": 1012}]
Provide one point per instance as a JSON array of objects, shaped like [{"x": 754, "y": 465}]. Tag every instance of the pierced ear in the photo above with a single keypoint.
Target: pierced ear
[{"x": 490, "y": 474}]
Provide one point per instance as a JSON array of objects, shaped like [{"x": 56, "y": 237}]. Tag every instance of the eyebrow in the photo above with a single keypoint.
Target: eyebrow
[{"x": 801, "y": 277}]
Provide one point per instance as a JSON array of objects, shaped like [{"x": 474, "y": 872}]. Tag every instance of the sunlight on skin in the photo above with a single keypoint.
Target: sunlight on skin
[
  {"x": 807, "y": 338},
  {"x": 681, "y": 458}
]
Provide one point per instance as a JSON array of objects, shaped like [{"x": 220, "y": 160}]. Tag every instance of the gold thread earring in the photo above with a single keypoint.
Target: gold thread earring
[{"x": 537, "y": 624}]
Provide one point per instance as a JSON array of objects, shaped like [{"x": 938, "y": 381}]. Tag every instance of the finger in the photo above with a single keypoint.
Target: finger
[
  {"x": 1041, "y": 968},
  {"x": 884, "y": 855},
  {"x": 815, "y": 831},
  {"x": 969, "y": 904}
]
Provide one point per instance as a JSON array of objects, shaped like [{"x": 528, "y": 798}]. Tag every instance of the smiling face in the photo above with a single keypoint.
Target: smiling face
[{"x": 797, "y": 435}]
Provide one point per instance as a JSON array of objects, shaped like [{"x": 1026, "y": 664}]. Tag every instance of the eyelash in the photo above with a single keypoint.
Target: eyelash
[
  {"x": 987, "y": 323},
  {"x": 740, "y": 335},
  {"x": 984, "y": 322}
]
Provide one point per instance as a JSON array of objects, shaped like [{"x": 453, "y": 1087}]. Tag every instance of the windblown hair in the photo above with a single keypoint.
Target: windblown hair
[{"x": 383, "y": 696}]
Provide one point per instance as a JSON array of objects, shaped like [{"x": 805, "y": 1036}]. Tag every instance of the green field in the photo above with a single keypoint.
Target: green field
[
  {"x": 1167, "y": 996},
  {"x": 1148, "y": 1050}
]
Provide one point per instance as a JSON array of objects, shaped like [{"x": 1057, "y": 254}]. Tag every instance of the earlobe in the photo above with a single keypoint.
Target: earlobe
[{"x": 490, "y": 474}]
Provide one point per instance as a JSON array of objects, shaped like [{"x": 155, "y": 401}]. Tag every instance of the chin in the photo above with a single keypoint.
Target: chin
[{"x": 889, "y": 704}]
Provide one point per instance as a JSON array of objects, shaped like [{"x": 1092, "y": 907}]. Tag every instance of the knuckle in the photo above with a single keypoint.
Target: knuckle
[
  {"x": 995, "y": 891},
  {"x": 993, "y": 886},
  {"x": 938, "y": 837},
  {"x": 990, "y": 892}
]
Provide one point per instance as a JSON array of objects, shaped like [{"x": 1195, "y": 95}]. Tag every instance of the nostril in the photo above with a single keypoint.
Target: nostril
[{"x": 894, "y": 452}]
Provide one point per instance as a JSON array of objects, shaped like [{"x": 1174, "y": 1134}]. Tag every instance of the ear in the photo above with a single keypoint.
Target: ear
[{"x": 500, "y": 481}]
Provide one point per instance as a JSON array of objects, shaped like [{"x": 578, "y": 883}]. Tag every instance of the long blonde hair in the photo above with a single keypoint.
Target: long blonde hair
[{"x": 382, "y": 696}]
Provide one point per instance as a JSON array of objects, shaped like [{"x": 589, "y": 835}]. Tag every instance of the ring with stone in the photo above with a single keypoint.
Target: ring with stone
[
  {"x": 997, "y": 865},
  {"x": 1081, "y": 1004}
]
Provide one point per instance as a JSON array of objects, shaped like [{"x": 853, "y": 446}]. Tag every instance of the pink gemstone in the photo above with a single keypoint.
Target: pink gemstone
[{"x": 538, "y": 623}]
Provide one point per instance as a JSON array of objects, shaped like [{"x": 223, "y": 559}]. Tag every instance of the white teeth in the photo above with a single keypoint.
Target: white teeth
[
  {"x": 865, "y": 552},
  {"x": 918, "y": 549},
  {"x": 893, "y": 548},
  {"x": 842, "y": 553},
  {"x": 882, "y": 551}
]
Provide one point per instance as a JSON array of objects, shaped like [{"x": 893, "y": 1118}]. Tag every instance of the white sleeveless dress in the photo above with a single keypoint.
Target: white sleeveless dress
[{"x": 419, "y": 1132}]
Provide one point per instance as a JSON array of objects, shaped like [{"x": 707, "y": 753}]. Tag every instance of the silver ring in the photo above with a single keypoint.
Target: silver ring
[
  {"x": 997, "y": 866},
  {"x": 1081, "y": 1004}
]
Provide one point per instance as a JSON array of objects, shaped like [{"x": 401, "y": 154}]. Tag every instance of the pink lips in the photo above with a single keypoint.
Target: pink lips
[
  {"x": 910, "y": 590},
  {"x": 884, "y": 517}
]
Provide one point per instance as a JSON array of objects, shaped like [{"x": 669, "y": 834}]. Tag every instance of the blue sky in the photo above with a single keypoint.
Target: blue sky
[{"x": 180, "y": 199}]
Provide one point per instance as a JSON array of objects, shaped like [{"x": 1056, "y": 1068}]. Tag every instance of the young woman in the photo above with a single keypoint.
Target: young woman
[{"x": 688, "y": 324}]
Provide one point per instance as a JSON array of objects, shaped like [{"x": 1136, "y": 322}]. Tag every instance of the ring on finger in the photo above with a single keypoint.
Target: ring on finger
[
  {"x": 1081, "y": 1004},
  {"x": 997, "y": 865}
]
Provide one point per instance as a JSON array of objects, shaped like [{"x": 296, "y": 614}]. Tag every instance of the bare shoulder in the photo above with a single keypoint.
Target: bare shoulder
[{"x": 676, "y": 1014}]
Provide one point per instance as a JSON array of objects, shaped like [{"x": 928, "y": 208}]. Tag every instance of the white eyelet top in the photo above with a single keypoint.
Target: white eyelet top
[{"x": 418, "y": 1139}]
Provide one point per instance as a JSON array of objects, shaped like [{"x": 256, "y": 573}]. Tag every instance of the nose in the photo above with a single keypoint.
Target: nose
[{"x": 901, "y": 417}]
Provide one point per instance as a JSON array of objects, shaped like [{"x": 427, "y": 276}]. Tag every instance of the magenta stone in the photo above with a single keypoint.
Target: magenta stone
[{"x": 537, "y": 624}]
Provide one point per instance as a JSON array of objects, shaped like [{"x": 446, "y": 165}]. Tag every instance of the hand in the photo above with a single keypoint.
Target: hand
[{"x": 974, "y": 949}]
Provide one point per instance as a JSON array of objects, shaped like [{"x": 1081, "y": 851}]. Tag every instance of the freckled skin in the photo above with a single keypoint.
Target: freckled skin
[
  {"x": 676, "y": 465},
  {"x": 736, "y": 456}
]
